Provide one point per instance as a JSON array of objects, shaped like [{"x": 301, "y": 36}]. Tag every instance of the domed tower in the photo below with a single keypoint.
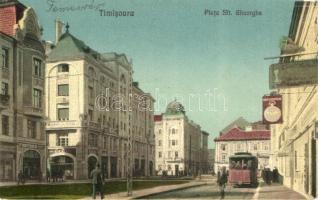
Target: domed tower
[{"x": 175, "y": 108}]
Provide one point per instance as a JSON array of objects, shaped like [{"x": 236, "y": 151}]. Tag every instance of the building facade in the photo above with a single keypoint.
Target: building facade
[
  {"x": 294, "y": 142},
  {"x": 179, "y": 143},
  {"x": 211, "y": 159},
  {"x": 90, "y": 112},
  {"x": 256, "y": 142},
  {"x": 22, "y": 133}
]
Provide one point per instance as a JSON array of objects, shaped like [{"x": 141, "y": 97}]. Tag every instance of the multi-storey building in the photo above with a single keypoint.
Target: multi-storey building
[
  {"x": 204, "y": 160},
  {"x": 89, "y": 111},
  {"x": 294, "y": 141},
  {"x": 143, "y": 132},
  {"x": 178, "y": 142},
  {"x": 211, "y": 159},
  {"x": 236, "y": 140},
  {"x": 22, "y": 61}
]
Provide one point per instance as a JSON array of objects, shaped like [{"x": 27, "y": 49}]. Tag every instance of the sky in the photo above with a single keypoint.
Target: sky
[{"x": 213, "y": 65}]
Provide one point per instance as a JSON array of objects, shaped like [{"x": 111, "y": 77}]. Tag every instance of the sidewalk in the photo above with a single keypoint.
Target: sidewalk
[
  {"x": 151, "y": 191},
  {"x": 276, "y": 191},
  {"x": 34, "y": 182}
]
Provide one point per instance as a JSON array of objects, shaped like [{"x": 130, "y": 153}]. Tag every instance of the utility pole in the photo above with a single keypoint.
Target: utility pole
[{"x": 130, "y": 154}]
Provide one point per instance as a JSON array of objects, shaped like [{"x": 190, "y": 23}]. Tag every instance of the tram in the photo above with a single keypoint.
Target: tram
[{"x": 243, "y": 169}]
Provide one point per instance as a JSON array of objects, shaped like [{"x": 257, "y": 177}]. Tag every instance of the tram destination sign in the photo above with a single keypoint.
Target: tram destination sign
[{"x": 293, "y": 74}]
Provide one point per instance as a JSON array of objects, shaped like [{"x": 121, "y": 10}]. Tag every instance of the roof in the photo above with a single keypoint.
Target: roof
[
  {"x": 157, "y": 118},
  {"x": 236, "y": 134},
  {"x": 175, "y": 108},
  {"x": 69, "y": 47},
  {"x": 205, "y": 133},
  {"x": 239, "y": 123},
  {"x": 112, "y": 56}
]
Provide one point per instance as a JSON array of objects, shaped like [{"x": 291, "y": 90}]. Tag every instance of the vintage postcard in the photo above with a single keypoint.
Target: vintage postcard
[{"x": 158, "y": 99}]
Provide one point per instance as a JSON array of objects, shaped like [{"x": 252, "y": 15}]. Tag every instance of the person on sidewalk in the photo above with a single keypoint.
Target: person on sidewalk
[
  {"x": 20, "y": 177},
  {"x": 222, "y": 180},
  {"x": 275, "y": 175},
  {"x": 97, "y": 182}
]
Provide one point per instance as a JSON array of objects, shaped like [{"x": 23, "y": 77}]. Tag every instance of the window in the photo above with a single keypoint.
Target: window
[
  {"x": 174, "y": 131},
  {"x": 63, "y": 114},
  {"x": 5, "y": 125},
  {"x": 63, "y": 68},
  {"x": 62, "y": 140},
  {"x": 255, "y": 146},
  {"x": 160, "y": 143},
  {"x": 295, "y": 160},
  {"x": 238, "y": 147},
  {"x": 105, "y": 142},
  {"x": 4, "y": 88},
  {"x": 265, "y": 147},
  {"x": 169, "y": 154},
  {"x": 90, "y": 115},
  {"x": 176, "y": 154},
  {"x": 31, "y": 129},
  {"x": 37, "y": 67},
  {"x": 223, "y": 147},
  {"x": 223, "y": 158},
  {"x": 160, "y": 154},
  {"x": 5, "y": 58},
  {"x": 92, "y": 140},
  {"x": 37, "y": 98},
  {"x": 91, "y": 92},
  {"x": 174, "y": 142},
  {"x": 62, "y": 90}
]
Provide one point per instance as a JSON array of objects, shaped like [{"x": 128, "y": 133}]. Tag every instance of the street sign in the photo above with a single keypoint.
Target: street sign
[
  {"x": 272, "y": 109},
  {"x": 297, "y": 73}
]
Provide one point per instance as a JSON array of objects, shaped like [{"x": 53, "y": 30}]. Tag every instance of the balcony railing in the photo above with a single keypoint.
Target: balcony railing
[
  {"x": 295, "y": 73},
  {"x": 30, "y": 110},
  {"x": 37, "y": 81}
]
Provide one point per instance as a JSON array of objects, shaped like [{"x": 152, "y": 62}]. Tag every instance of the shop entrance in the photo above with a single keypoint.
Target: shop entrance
[
  {"x": 62, "y": 167},
  {"x": 32, "y": 165}
]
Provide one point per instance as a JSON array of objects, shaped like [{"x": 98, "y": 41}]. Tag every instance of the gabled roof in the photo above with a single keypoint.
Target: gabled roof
[
  {"x": 238, "y": 123},
  {"x": 69, "y": 47},
  {"x": 236, "y": 134}
]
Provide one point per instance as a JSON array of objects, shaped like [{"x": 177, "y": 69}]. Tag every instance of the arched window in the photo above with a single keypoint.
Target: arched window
[{"x": 63, "y": 67}]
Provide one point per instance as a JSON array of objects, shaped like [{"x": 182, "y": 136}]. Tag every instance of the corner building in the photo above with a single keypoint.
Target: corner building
[
  {"x": 89, "y": 110},
  {"x": 179, "y": 143}
]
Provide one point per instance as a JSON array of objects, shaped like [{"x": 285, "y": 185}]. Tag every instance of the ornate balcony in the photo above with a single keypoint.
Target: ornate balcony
[
  {"x": 33, "y": 111},
  {"x": 297, "y": 73}
]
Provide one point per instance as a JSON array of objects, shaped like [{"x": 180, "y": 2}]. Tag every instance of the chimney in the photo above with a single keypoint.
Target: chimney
[{"x": 58, "y": 30}]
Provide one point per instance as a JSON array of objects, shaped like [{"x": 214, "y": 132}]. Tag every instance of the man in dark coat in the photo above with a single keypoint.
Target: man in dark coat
[{"x": 97, "y": 182}]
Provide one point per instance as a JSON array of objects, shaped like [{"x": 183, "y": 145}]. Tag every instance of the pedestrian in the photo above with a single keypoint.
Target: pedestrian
[
  {"x": 97, "y": 182},
  {"x": 20, "y": 177},
  {"x": 275, "y": 175},
  {"x": 222, "y": 180},
  {"x": 267, "y": 176},
  {"x": 48, "y": 176}
]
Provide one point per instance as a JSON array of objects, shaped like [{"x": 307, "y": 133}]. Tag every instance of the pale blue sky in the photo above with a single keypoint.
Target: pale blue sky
[{"x": 179, "y": 50}]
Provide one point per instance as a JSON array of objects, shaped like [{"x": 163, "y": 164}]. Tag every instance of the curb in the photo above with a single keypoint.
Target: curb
[{"x": 168, "y": 190}]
